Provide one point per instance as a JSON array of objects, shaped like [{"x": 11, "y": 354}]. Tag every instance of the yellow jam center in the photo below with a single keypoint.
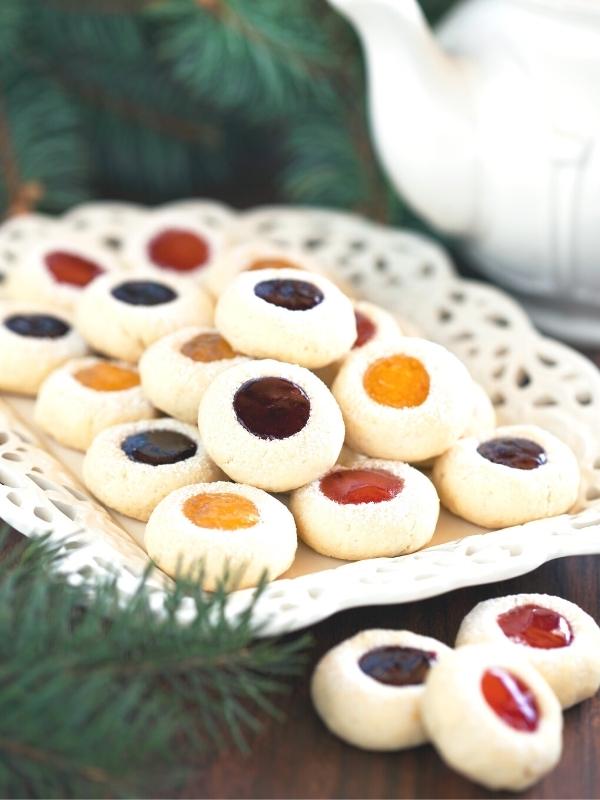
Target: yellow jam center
[
  {"x": 272, "y": 263},
  {"x": 222, "y": 510},
  {"x": 208, "y": 347},
  {"x": 398, "y": 381},
  {"x": 103, "y": 377}
]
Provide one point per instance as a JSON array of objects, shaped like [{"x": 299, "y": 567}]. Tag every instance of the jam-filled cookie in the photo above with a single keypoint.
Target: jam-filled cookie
[
  {"x": 33, "y": 342},
  {"x": 286, "y": 314},
  {"x": 221, "y": 531},
  {"x": 377, "y": 508},
  {"x": 122, "y": 315},
  {"x": 492, "y": 717},
  {"x": 177, "y": 369},
  {"x": 271, "y": 424},
  {"x": 368, "y": 689},
  {"x": 559, "y": 639},
  {"x": 131, "y": 467},
  {"x": 407, "y": 400},
  {"x": 517, "y": 474},
  {"x": 87, "y": 395}
]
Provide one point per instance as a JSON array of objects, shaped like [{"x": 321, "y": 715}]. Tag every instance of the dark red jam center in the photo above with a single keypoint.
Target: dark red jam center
[
  {"x": 37, "y": 326},
  {"x": 397, "y": 666},
  {"x": 536, "y": 626},
  {"x": 158, "y": 447},
  {"x": 143, "y": 293},
  {"x": 271, "y": 408},
  {"x": 289, "y": 293},
  {"x": 365, "y": 328},
  {"x": 516, "y": 453},
  {"x": 71, "y": 269},
  {"x": 178, "y": 249},
  {"x": 511, "y": 699},
  {"x": 353, "y": 486}
]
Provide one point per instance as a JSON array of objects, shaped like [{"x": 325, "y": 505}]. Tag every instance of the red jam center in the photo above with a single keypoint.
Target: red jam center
[
  {"x": 271, "y": 408},
  {"x": 179, "y": 250},
  {"x": 365, "y": 328},
  {"x": 536, "y": 626},
  {"x": 354, "y": 486},
  {"x": 71, "y": 269},
  {"x": 511, "y": 699},
  {"x": 397, "y": 666},
  {"x": 513, "y": 452}
]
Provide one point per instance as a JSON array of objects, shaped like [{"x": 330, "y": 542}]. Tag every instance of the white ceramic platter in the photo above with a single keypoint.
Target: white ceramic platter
[{"x": 530, "y": 379}]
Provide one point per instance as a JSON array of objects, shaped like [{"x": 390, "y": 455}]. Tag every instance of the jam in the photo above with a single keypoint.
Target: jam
[
  {"x": 398, "y": 381},
  {"x": 208, "y": 347},
  {"x": 158, "y": 447},
  {"x": 513, "y": 452},
  {"x": 71, "y": 269},
  {"x": 223, "y": 510},
  {"x": 536, "y": 626},
  {"x": 397, "y": 666},
  {"x": 289, "y": 293},
  {"x": 511, "y": 699},
  {"x": 178, "y": 250},
  {"x": 104, "y": 377},
  {"x": 37, "y": 326},
  {"x": 143, "y": 293},
  {"x": 271, "y": 408},
  {"x": 354, "y": 486},
  {"x": 272, "y": 263},
  {"x": 365, "y": 329}
]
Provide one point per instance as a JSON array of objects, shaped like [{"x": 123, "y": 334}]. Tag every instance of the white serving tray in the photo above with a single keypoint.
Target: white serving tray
[{"x": 530, "y": 378}]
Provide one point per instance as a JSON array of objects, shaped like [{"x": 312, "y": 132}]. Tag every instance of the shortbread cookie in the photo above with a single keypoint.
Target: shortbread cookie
[
  {"x": 33, "y": 342},
  {"x": 288, "y": 315},
  {"x": 16, "y": 234},
  {"x": 518, "y": 474},
  {"x": 221, "y": 532},
  {"x": 177, "y": 369},
  {"x": 107, "y": 222},
  {"x": 131, "y": 467},
  {"x": 121, "y": 316},
  {"x": 380, "y": 508},
  {"x": 557, "y": 637},
  {"x": 492, "y": 717},
  {"x": 87, "y": 395},
  {"x": 368, "y": 689},
  {"x": 407, "y": 400},
  {"x": 271, "y": 424}
]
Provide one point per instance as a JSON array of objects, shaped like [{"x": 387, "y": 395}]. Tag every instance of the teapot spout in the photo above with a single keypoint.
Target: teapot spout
[{"x": 420, "y": 109}]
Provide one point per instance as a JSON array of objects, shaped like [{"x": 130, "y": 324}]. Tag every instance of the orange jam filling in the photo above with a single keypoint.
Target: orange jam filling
[
  {"x": 272, "y": 263},
  {"x": 222, "y": 510},
  {"x": 105, "y": 377},
  {"x": 398, "y": 381},
  {"x": 208, "y": 347}
]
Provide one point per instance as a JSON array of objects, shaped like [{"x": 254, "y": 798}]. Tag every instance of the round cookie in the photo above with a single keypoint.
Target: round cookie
[
  {"x": 407, "y": 400},
  {"x": 131, "y": 467},
  {"x": 271, "y": 424},
  {"x": 557, "y": 637},
  {"x": 33, "y": 342},
  {"x": 368, "y": 689},
  {"x": 87, "y": 395},
  {"x": 16, "y": 234},
  {"x": 492, "y": 717},
  {"x": 221, "y": 532},
  {"x": 177, "y": 369},
  {"x": 107, "y": 222},
  {"x": 518, "y": 474},
  {"x": 121, "y": 316},
  {"x": 374, "y": 509},
  {"x": 288, "y": 315}
]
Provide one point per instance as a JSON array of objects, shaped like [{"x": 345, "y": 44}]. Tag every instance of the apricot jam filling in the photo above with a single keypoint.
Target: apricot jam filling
[
  {"x": 37, "y": 326},
  {"x": 397, "y": 666},
  {"x": 222, "y": 510},
  {"x": 208, "y": 347},
  {"x": 271, "y": 408},
  {"x": 365, "y": 329},
  {"x": 71, "y": 269},
  {"x": 105, "y": 377},
  {"x": 511, "y": 699},
  {"x": 536, "y": 626},
  {"x": 178, "y": 249},
  {"x": 513, "y": 452},
  {"x": 355, "y": 486},
  {"x": 272, "y": 263},
  {"x": 289, "y": 293},
  {"x": 159, "y": 447},
  {"x": 398, "y": 381}
]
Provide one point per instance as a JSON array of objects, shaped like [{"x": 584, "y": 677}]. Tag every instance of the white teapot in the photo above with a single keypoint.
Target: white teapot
[{"x": 492, "y": 132}]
